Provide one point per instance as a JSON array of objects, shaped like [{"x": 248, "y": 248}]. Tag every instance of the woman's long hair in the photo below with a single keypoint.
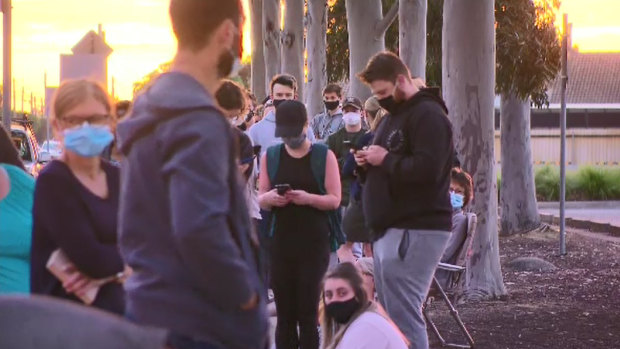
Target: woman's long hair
[
  {"x": 8, "y": 152},
  {"x": 331, "y": 330}
]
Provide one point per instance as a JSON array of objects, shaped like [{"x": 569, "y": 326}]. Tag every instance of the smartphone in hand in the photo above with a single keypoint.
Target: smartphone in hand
[{"x": 282, "y": 188}]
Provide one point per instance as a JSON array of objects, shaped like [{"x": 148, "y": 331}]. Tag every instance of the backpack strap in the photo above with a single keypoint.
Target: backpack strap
[
  {"x": 273, "y": 161},
  {"x": 318, "y": 160}
]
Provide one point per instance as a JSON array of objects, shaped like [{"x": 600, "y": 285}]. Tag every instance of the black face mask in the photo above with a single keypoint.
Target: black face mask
[
  {"x": 331, "y": 106},
  {"x": 388, "y": 103},
  {"x": 342, "y": 312},
  {"x": 277, "y": 102}
]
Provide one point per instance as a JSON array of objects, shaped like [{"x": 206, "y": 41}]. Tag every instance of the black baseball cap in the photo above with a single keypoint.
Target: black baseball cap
[
  {"x": 352, "y": 102},
  {"x": 291, "y": 117}
]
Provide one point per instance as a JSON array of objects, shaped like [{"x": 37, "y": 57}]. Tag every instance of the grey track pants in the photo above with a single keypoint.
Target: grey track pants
[{"x": 403, "y": 278}]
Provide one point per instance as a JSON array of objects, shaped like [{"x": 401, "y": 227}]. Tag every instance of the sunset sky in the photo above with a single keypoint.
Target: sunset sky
[{"x": 139, "y": 32}]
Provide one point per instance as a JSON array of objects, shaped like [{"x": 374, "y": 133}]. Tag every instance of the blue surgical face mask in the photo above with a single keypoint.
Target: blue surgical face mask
[
  {"x": 456, "y": 200},
  {"x": 88, "y": 140}
]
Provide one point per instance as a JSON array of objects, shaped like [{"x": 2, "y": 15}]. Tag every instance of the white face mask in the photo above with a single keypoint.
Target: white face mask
[{"x": 352, "y": 119}]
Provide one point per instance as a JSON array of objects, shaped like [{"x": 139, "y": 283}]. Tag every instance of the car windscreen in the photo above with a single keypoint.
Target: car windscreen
[{"x": 21, "y": 143}]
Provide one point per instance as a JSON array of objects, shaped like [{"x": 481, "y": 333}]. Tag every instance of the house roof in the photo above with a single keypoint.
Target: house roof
[
  {"x": 593, "y": 78},
  {"x": 92, "y": 43}
]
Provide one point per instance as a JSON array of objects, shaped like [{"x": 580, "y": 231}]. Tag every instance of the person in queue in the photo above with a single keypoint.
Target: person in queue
[
  {"x": 350, "y": 319},
  {"x": 406, "y": 198},
  {"x": 76, "y": 203},
  {"x": 16, "y": 196},
  {"x": 288, "y": 186},
  {"x": 184, "y": 223}
]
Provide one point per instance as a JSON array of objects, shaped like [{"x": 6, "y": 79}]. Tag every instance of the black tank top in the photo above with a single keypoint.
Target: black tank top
[{"x": 299, "y": 229}]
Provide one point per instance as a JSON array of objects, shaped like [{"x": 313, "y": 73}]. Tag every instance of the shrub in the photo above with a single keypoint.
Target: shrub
[
  {"x": 588, "y": 183},
  {"x": 547, "y": 181}
]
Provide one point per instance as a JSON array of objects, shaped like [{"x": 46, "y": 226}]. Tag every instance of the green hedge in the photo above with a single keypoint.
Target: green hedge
[{"x": 585, "y": 184}]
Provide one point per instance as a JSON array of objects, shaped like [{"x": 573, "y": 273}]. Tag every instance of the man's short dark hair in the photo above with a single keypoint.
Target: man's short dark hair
[
  {"x": 383, "y": 66},
  {"x": 193, "y": 21},
  {"x": 284, "y": 80},
  {"x": 333, "y": 88},
  {"x": 230, "y": 95}
]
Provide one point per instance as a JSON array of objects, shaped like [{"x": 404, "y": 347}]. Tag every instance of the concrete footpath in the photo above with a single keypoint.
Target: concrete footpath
[{"x": 595, "y": 216}]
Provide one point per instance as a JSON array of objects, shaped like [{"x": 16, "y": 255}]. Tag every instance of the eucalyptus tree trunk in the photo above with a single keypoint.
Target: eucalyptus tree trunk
[
  {"x": 518, "y": 191},
  {"x": 469, "y": 90},
  {"x": 317, "y": 55},
  {"x": 271, "y": 39},
  {"x": 259, "y": 84},
  {"x": 293, "y": 43},
  {"x": 412, "y": 35},
  {"x": 366, "y": 26}
]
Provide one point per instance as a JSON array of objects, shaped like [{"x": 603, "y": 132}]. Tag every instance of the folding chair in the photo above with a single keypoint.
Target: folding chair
[{"x": 454, "y": 287}]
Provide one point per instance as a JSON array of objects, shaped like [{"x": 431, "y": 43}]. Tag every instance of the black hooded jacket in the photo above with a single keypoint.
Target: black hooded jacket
[{"x": 410, "y": 190}]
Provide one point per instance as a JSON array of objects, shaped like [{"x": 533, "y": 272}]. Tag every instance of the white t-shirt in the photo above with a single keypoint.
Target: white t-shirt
[{"x": 371, "y": 331}]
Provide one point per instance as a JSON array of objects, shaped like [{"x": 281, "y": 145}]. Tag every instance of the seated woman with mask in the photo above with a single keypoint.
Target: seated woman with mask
[
  {"x": 350, "y": 319},
  {"x": 461, "y": 194}
]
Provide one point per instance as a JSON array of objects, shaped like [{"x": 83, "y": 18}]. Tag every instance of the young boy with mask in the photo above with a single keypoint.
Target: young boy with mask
[
  {"x": 330, "y": 121},
  {"x": 283, "y": 87}
]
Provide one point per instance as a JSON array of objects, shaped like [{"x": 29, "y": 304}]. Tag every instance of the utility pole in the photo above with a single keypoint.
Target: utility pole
[
  {"x": 563, "y": 136},
  {"x": 47, "y": 115},
  {"x": 5, "y": 5}
]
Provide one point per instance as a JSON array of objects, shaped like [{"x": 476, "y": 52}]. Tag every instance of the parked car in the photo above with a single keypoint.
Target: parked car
[{"x": 25, "y": 141}]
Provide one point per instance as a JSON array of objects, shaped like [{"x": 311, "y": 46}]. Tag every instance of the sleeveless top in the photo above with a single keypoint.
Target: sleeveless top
[
  {"x": 299, "y": 229},
  {"x": 16, "y": 232}
]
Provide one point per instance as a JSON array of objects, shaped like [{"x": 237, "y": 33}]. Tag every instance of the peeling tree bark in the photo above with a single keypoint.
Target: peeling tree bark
[
  {"x": 293, "y": 43},
  {"x": 518, "y": 191},
  {"x": 366, "y": 27},
  {"x": 412, "y": 34},
  {"x": 469, "y": 90},
  {"x": 317, "y": 55},
  {"x": 271, "y": 39},
  {"x": 258, "y": 58}
]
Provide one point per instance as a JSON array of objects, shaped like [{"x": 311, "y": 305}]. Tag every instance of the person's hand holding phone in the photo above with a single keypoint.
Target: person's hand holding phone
[
  {"x": 360, "y": 157},
  {"x": 299, "y": 197},
  {"x": 277, "y": 197}
]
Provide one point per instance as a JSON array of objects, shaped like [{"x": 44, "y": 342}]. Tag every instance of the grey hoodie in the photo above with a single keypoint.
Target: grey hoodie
[{"x": 184, "y": 225}]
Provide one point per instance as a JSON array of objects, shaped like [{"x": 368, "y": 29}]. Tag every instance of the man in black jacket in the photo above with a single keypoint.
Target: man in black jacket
[{"x": 406, "y": 195}]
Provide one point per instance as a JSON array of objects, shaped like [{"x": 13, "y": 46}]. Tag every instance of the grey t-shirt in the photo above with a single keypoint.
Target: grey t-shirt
[{"x": 43, "y": 322}]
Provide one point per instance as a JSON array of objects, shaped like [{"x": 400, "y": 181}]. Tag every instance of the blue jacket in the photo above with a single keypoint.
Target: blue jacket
[{"x": 184, "y": 225}]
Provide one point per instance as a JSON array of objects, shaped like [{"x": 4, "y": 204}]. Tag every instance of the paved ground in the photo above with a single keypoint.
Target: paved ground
[{"x": 599, "y": 212}]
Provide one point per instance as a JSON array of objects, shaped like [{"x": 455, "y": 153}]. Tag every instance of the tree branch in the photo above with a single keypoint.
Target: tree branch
[{"x": 389, "y": 18}]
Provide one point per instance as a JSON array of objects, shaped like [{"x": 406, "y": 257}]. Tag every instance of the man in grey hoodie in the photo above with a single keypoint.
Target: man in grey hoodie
[{"x": 184, "y": 225}]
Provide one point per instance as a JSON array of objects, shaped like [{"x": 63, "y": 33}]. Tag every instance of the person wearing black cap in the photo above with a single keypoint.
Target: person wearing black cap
[{"x": 289, "y": 186}]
